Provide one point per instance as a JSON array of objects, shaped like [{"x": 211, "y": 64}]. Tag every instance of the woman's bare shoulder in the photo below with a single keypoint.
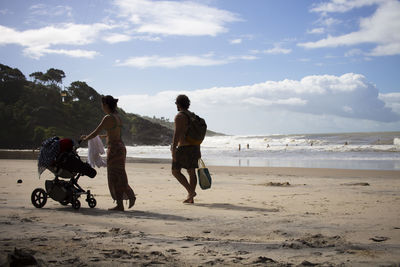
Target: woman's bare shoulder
[{"x": 107, "y": 119}]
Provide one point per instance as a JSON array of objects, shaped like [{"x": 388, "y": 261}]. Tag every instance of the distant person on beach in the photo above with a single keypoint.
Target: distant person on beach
[
  {"x": 184, "y": 154},
  {"x": 116, "y": 154},
  {"x": 239, "y": 147}
]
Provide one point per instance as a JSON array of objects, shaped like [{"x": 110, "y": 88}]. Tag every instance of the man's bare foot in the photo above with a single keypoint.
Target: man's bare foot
[
  {"x": 132, "y": 201},
  {"x": 190, "y": 198},
  {"x": 117, "y": 208}
]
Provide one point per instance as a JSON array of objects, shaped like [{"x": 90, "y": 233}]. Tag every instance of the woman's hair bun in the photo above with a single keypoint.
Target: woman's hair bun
[{"x": 110, "y": 101}]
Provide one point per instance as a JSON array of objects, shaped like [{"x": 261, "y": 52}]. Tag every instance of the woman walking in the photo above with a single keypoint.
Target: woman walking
[{"x": 116, "y": 154}]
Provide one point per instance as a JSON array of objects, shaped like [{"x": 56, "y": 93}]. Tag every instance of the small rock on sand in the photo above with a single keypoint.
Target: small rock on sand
[
  {"x": 357, "y": 184},
  {"x": 277, "y": 184},
  {"x": 20, "y": 258},
  {"x": 379, "y": 238}
]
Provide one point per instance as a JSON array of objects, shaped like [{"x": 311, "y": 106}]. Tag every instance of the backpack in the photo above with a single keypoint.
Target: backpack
[{"x": 197, "y": 128}]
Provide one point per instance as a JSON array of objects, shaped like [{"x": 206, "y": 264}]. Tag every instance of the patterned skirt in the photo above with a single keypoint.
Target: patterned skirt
[{"x": 116, "y": 174}]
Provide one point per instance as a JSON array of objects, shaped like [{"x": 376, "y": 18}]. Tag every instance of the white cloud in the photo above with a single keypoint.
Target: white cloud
[
  {"x": 346, "y": 97},
  {"x": 236, "y": 58},
  {"x": 257, "y": 101},
  {"x": 381, "y": 28},
  {"x": 329, "y": 21},
  {"x": 343, "y": 6},
  {"x": 116, "y": 38},
  {"x": 347, "y": 109},
  {"x": 178, "y": 61},
  {"x": 169, "y": 62},
  {"x": 392, "y": 101},
  {"x": 51, "y": 10},
  {"x": 175, "y": 18},
  {"x": 277, "y": 49},
  {"x": 38, "y": 42},
  {"x": 316, "y": 31},
  {"x": 5, "y": 11},
  {"x": 78, "y": 53},
  {"x": 353, "y": 52},
  {"x": 147, "y": 38},
  {"x": 236, "y": 41}
]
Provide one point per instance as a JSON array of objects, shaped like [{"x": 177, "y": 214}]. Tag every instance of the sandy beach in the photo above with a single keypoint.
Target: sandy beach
[{"x": 250, "y": 216}]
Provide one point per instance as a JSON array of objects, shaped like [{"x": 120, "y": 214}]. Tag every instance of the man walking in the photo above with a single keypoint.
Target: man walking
[{"x": 184, "y": 153}]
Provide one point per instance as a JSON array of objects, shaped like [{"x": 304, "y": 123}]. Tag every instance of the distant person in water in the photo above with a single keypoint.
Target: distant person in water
[
  {"x": 184, "y": 154},
  {"x": 116, "y": 153}
]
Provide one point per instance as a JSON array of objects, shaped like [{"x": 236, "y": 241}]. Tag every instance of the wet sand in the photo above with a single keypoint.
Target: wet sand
[{"x": 250, "y": 216}]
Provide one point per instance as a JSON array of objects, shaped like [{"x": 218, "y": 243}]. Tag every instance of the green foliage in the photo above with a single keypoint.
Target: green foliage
[
  {"x": 54, "y": 76},
  {"x": 30, "y": 112},
  {"x": 9, "y": 74}
]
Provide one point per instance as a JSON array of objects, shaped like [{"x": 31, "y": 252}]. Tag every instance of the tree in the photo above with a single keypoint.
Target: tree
[
  {"x": 9, "y": 74},
  {"x": 55, "y": 75},
  {"x": 83, "y": 92},
  {"x": 39, "y": 134},
  {"x": 52, "y": 75},
  {"x": 12, "y": 83},
  {"x": 36, "y": 75}
]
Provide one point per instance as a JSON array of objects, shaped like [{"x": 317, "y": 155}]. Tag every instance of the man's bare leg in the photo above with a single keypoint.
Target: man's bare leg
[
  {"x": 193, "y": 184},
  {"x": 182, "y": 180}
]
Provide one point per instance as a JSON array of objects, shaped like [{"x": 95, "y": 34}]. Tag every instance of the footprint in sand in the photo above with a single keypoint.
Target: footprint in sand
[{"x": 263, "y": 259}]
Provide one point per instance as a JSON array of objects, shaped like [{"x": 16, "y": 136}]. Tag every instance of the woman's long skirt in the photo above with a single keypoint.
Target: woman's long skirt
[{"x": 116, "y": 174}]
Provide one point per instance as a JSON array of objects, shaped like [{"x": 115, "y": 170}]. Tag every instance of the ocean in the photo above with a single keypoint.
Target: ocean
[{"x": 375, "y": 151}]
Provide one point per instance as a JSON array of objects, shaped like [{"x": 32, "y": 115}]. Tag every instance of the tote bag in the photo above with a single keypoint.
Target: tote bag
[{"x": 204, "y": 176}]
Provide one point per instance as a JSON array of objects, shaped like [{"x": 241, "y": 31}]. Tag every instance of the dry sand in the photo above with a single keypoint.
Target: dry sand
[{"x": 250, "y": 216}]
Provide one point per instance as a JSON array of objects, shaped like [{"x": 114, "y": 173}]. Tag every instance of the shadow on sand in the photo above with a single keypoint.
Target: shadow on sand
[
  {"x": 228, "y": 206},
  {"x": 134, "y": 214}
]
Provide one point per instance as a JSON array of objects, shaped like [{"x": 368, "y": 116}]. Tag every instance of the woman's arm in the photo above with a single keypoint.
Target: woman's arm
[{"x": 96, "y": 131}]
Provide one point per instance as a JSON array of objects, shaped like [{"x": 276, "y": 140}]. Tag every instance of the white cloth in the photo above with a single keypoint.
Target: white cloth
[{"x": 95, "y": 150}]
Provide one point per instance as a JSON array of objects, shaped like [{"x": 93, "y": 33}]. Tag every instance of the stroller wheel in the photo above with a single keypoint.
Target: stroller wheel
[
  {"x": 92, "y": 202},
  {"x": 39, "y": 197},
  {"x": 64, "y": 202},
  {"x": 76, "y": 204}
]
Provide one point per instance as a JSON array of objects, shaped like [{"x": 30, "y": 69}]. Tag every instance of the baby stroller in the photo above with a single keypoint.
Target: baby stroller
[{"x": 60, "y": 157}]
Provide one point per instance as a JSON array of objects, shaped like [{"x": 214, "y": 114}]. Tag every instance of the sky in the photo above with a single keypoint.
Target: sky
[{"x": 249, "y": 67}]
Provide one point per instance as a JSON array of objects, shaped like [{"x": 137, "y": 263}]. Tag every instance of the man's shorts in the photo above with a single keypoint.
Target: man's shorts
[{"x": 187, "y": 157}]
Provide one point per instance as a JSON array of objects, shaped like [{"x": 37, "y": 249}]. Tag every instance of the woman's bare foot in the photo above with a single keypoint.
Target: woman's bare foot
[
  {"x": 117, "y": 208},
  {"x": 132, "y": 201}
]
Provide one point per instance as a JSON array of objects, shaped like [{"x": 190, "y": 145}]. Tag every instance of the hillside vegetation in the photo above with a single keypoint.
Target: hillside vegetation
[{"x": 33, "y": 110}]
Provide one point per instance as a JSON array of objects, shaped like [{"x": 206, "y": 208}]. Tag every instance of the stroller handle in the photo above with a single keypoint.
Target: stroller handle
[{"x": 77, "y": 144}]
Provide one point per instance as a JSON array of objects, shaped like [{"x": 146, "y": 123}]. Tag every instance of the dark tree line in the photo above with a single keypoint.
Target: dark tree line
[{"x": 31, "y": 111}]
